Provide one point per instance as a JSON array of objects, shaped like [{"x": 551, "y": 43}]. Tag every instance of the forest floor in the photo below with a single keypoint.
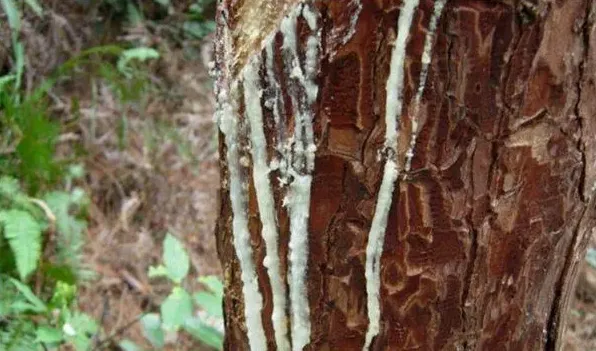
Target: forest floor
[
  {"x": 162, "y": 176},
  {"x": 142, "y": 192}
]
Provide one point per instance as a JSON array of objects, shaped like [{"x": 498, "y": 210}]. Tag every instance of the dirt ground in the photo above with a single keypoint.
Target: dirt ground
[
  {"x": 165, "y": 176},
  {"x": 140, "y": 193}
]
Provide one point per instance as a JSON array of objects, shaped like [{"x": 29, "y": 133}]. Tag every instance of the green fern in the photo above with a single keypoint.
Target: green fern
[
  {"x": 23, "y": 233},
  {"x": 19, "y": 336},
  {"x": 11, "y": 196},
  {"x": 70, "y": 230},
  {"x": 21, "y": 224},
  {"x": 28, "y": 323},
  {"x": 35, "y": 152},
  {"x": 9, "y": 187}
]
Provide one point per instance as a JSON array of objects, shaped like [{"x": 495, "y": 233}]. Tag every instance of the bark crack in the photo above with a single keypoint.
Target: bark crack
[
  {"x": 555, "y": 324},
  {"x": 495, "y": 141},
  {"x": 471, "y": 261},
  {"x": 585, "y": 37}
]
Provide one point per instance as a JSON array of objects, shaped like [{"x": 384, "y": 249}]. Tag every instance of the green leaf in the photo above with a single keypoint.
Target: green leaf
[
  {"x": 19, "y": 336},
  {"x": 19, "y": 53},
  {"x": 84, "y": 323},
  {"x": 176, "y": 309},
  {"x": 127, "y": 345},
  {"x": 214, "y": 284},
  {"x": 4, "y": 80},
  {"x": 6, "y": 297},
  {"x": 76, "y": 171},
  {"x": 23, "y": 233},
  {"x": 71, "y": 230},
  {"x": 9, "y": 187},
  {"x": 59, "y": 203},
  {"x": 58, "y": 272},
  {"x": 48, "y": 335},
  {"x": 152, "y": 330},
  {"x": 36, "y": 149},
  {"x": 196, "y": 9},
  {"x": 79, "y": 197},
  {"x": 209, "y": 303},
  {"x": 140, "y": 54},
  {"x": 37, "y": 304},
  {"x": 64, "y": 294},
  {"x": 35, "y": 7},
  {"x": 204, "y": 333},
  {"x": 135, "y": 17},
  {"x": 79, "y": 330},
  {"x": 156, "y": 272},
  {"x": 14, "y": 17},
  {"x": 175, "y": 259},
  {"x": 20, "y": 307}
]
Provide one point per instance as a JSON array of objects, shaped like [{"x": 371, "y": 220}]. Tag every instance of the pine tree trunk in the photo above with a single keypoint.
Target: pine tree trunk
[{"x": 404, "y": 174}]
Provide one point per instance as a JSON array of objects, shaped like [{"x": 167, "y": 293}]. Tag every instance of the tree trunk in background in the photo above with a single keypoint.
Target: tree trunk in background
[{"x": 403, "y": 175}]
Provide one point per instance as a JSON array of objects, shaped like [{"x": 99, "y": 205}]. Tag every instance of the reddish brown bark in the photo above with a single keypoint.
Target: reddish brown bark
[{"x": 486, "y": 231}]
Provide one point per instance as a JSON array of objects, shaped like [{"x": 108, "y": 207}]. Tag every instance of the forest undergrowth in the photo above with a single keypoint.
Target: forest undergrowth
[{"x": 107, "y": 171}]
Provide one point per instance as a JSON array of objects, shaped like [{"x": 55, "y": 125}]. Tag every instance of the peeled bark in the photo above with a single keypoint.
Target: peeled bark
[{"x": 398, "y": 175}]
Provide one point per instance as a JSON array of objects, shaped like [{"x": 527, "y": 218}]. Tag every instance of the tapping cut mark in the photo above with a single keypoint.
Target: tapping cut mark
[
  {"x": 426, "y": 60},
  {"x": 299, "y": 192},
  {"x": 343, "y": 34},
  {"x": 254, "y": 20},
  {"x": 302, "y": 99},
  {"x": 353, "y": 21},
  {"x": 393, "y": 110},
  {"x": 300, "y": 171},
  {"x": 253, "y": 301},
  {"x": 275, "y": 104},
  {"x": 297, "y": 200},
  {"x": 265, "y": 200}
]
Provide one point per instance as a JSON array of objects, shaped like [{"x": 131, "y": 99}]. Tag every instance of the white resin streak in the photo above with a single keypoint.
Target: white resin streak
[
  {"x": 265, "y": 200},
  {"x": 353, "y": 21},
  {"x": 288, "y": 29},
  {"x": 299, "y": 192},
  {"x": 298, "y": 204},
  {"x": 274, "y": 102},
  {"x": 426, "y": 60},
  {"x": 274, "y": 85},
  {"x": 253, "y": 301},
  {"x": 312, "y": 90},
  {"x": 393, "y": 110},
  {"x": 304, "y": 145},
  {"x": 351, "y": 30}
]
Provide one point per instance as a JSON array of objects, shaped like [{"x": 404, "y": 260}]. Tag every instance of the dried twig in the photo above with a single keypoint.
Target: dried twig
[{"x": 108, "y": 339}]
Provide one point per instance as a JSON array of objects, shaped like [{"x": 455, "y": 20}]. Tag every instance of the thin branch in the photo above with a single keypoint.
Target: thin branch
[{"x": 117, "y": 332}]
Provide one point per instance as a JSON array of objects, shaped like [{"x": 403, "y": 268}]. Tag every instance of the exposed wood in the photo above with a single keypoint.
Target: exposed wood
[{"x": 487, "y": 150}]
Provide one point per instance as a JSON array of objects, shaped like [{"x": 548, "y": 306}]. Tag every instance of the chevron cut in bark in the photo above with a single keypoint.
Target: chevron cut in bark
[{"x": 404, "y": 174}]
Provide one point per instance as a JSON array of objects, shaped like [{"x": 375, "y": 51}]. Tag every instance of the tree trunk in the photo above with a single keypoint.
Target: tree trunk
[{"x": 404, "y": 174}]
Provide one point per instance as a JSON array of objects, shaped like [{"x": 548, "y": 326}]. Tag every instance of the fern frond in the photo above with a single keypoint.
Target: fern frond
[
  {"x": 23, "y": 233},
  {"x": 70, "y": 231},
  {"x": 13, "y": 197},
  {"x": 9, "y": 187}
]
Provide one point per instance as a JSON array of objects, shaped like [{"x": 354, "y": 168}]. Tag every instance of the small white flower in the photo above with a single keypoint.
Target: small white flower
[{"x": 69, "y": 330}]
